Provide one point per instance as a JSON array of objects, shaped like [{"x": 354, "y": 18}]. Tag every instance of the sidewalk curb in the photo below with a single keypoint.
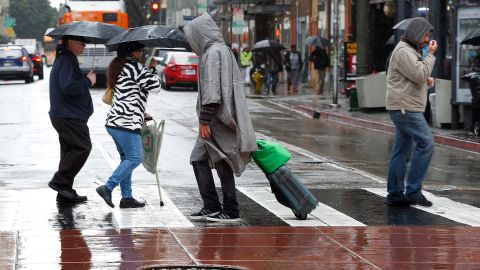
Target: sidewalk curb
[{"x": 383, "y": 127}]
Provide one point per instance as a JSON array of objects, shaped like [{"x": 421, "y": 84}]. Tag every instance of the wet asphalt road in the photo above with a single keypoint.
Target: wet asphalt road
[{"x": 337, "y": 162}]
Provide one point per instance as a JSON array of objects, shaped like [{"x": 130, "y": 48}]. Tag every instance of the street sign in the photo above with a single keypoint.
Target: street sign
[
  {"x": 9, "y": 22},
  {"x": 238, "y": 23},
  {"x": 9, "y": 32},
  {"x": 352, "y": 47},
  {"x": 201, "y": 6}
]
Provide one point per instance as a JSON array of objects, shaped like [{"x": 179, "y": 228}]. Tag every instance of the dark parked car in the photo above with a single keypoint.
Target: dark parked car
[
  {"x": 179, "y": 69},
  {"x": 37, "y": 64},
  {"x": 15, "y": 64}
]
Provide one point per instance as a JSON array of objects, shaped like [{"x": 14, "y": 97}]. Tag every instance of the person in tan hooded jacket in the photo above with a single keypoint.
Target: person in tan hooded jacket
[
  {"x": 408, "y": 75},
  {"x": 226, "y": 137}
]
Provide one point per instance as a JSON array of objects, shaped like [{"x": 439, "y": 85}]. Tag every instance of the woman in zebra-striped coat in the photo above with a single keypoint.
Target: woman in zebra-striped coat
[{"x": 131, "y": 82}]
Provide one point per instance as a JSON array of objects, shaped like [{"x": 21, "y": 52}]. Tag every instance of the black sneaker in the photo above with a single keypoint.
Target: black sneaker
[
  {"x": 397, "y": 202},
  {"x": 419, "y": 200},
  {"x": 223, "y": 217},
  {"x": 131, "y": 203},
  {"x": 65, "y": 192},
  {"x": 105, "y": 194},
  {"x": 77, "y": 199},
  {"x": 202, "y": 214}
]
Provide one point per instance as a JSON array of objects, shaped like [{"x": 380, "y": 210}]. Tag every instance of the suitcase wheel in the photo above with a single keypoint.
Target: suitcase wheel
[{"x": 300, "y": 216}]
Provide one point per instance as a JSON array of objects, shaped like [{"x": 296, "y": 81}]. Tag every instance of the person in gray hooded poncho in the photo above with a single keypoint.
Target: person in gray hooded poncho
[
  {"x": 408, "y": 74},
  {"x": 226, "y": 136}
]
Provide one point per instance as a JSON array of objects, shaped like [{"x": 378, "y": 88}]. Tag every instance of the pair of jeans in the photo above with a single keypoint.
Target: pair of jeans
[
  {"x": 410, "y": 128},
  {"x": 271, "y": 81},
  {"x": 206, "y": 185},
  {"x": 129, "y": 146},
  {"x": 75, "y": 147}
]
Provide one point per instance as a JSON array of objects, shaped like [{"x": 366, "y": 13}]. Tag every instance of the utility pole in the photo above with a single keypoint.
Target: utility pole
[
  {"x": 362, "y": 35},
  {"x": 336, "y": 41}
]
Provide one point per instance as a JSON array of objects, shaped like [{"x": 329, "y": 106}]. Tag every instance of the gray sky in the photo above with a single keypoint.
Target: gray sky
[{"x": 55, "y": 3}]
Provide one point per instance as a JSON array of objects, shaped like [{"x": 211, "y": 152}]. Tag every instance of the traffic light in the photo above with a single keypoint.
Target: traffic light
[{"x": 155, "y": 6}]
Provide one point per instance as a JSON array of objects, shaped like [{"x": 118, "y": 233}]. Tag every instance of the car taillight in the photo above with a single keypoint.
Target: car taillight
[
  {"x": 172, "y": 67},
  {"x": 23, "y": 59},
  {"x": 37, "y": 59}
]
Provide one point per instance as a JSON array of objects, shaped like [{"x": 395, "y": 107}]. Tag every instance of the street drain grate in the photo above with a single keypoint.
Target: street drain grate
[{"x": 192, "y": 267}]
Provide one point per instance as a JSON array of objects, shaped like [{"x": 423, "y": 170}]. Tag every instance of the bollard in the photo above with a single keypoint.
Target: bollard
[{"x": 353, "y": 100}]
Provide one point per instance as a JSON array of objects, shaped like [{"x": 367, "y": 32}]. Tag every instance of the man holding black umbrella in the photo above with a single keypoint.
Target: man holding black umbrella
[{"x": 70, "y": 108}]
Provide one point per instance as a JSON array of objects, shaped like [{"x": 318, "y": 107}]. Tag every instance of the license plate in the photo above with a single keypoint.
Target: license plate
[
  {"x": 190, "y": 71},
  {"x": 7, "y": 64}
]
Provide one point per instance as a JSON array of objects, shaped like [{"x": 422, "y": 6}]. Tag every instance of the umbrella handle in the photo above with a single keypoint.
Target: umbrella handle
[{"x": 93, "y": 59}]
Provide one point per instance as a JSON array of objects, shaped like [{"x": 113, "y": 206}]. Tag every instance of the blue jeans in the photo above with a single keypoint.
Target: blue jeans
[
  {"x": 271, "y": 81},
  {"x": 410, "y": 128},
  {"x": 129, "y": 146}
]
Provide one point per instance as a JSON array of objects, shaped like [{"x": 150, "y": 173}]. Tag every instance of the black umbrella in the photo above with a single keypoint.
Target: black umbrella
[
  {"x": 151, "y": 36},
  {"x": 317, "y": 41},
  {"x": 267, "y": 43},
  {"x": 472, "y": 38},
  {"x": 92, "y": 32},
  {"x": 402, "y": 25}
]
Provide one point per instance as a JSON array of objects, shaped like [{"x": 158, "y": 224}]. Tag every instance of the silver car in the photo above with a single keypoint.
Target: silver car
[{"x": 15, "y": 64}]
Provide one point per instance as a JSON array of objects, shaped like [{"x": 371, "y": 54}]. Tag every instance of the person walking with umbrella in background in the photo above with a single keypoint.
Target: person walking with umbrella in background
[
  {"x": 226, "y": 138},
  {"x": 321, "y": 62},
  {"x": 130, "y": 82},
  {"x": 70, "y": 108},
  {"x": 293, "y": 65},
  {"x": 408, "y": 75}
]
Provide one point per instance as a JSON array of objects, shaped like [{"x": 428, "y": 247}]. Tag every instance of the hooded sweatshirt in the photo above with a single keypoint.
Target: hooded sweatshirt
[
  {"x": 220, "y": 87},
  {"x": 408, "y": 72}
]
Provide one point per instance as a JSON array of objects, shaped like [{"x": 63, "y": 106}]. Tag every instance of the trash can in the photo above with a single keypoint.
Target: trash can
[{"x": 473, "y": 79}]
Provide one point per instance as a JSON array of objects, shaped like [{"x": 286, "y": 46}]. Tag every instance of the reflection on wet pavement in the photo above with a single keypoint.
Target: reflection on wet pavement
[{"x": 256, "y": 248}]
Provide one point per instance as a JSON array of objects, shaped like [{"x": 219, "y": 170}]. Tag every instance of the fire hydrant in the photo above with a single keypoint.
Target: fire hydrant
[{"x": 257, "y": 78}]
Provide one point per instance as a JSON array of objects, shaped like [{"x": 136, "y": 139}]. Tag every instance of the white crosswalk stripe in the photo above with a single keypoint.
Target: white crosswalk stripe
[
  {"x": 323, "y": 215},
  {"x": 444, "y": 207}
]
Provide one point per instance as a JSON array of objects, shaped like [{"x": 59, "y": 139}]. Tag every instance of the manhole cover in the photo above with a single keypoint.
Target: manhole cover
[{"x": 192, "y": 267}]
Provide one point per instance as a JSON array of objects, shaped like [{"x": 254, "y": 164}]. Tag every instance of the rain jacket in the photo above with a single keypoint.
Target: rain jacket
[
  {"x": 69, "y": 88},
  {"x": 219, "y": 82},
  {"x": 408, "y": 71}
]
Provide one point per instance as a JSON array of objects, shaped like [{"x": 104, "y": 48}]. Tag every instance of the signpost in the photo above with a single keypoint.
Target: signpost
[
  {"x": 238, "y": 23},
  {"x": 9, "y": 22}
]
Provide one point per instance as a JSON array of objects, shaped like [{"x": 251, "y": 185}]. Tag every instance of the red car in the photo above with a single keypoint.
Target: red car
[{"x": 179, "y": 69}]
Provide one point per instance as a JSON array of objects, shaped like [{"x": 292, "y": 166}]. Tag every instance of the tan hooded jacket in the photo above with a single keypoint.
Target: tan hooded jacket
[{"x": 408, "y": 72}]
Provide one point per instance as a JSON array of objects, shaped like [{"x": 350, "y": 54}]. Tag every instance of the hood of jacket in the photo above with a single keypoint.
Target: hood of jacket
[
  {"x": 202, "y": 32},
  {"x": 416, "y": 30}
]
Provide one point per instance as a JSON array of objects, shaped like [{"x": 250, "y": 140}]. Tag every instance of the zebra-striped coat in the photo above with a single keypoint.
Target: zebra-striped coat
[{"x": 130, "y": 96}]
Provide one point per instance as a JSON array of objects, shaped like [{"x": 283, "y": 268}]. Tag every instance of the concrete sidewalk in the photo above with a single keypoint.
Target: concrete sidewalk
[{"x": 316, "y": 106}]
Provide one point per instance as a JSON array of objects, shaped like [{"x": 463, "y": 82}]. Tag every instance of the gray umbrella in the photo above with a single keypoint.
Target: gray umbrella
[
  {"x": 151, "y": 36},
  {"x": 316, "y": 41},
  {"x": 266, "y": 44},
  {"x": 472, "y": 38},
  {"x": 92, "y": 32},
  {"x": 402, "y": 25}
]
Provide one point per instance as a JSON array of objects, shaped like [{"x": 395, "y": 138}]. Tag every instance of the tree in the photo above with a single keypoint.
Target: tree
[
  {"x": 138, "y": 12},
  {"x": 32, "y": 18}
]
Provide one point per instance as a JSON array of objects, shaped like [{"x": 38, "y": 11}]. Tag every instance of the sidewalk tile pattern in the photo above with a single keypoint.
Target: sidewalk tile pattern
[{"x": 256, "y": 248}]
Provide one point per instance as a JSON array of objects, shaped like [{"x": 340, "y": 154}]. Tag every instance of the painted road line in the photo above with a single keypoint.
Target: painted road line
[
  {"x": 323, "y": 215},
  {"x": 152, "y": 215},
  {"x": 456, "y": 211}
]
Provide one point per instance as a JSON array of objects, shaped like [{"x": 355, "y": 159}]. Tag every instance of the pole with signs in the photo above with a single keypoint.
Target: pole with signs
[{"x": 336, "y": 41}]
